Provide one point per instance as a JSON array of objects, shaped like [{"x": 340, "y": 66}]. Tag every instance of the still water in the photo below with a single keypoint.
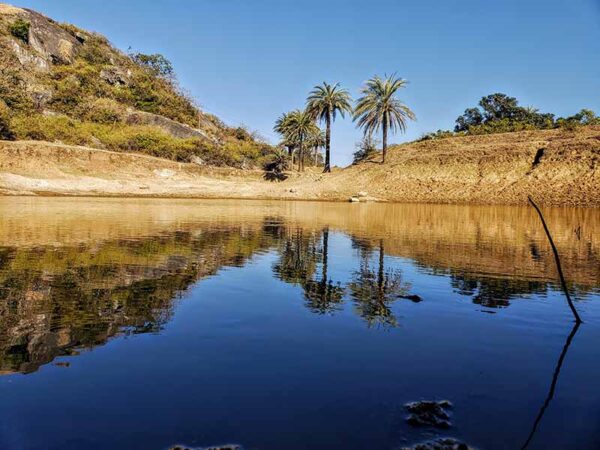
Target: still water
[{"x": 142, "y": 324}]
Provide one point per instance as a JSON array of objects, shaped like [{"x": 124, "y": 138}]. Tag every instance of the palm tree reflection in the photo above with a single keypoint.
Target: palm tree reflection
[
  {"x": 373, "y": 290},
  {"x": 300, "y": 256}
]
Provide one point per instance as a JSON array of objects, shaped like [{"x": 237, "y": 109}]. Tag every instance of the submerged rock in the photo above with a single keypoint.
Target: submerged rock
[
  {"x": 217, "y": 447},
  {"x": 429, "y": 414},
  {"x": 440, "y": 444}
]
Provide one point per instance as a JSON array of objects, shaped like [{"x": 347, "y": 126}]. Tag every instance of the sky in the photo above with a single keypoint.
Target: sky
[{"x": 248, "y": 61}]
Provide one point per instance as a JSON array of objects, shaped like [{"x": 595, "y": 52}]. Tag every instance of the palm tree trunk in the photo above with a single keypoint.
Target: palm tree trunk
[
  {"x": 385, "y": 130},
  {"x": 301, "y": 155},
  {"x": 327, "y": 144},
  {"x": 325, "y": 253}
]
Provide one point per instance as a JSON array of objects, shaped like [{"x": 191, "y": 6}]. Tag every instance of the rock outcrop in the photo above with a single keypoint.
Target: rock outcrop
[{"x": 47, "y": 43}]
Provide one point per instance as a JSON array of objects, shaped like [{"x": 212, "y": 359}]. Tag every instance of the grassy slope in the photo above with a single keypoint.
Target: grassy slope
[
  {"x": 479, "y": 169},
  {"x": 89, "y": 97}
]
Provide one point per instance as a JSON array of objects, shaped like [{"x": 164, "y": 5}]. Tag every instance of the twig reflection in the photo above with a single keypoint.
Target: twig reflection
[{"x": 555, "y": 376}]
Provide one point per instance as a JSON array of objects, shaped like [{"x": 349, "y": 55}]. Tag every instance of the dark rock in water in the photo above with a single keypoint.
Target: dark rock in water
[
  {"x": 413, "y": 298},
  {"x": 429, "y": 414},
  {"x": 440, "y": 444}
]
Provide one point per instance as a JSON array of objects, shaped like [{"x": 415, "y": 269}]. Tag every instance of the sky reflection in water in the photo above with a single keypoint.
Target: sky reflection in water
[{"x": 146, "y": 323}]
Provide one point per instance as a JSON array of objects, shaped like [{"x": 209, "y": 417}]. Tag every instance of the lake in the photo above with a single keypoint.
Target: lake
[{"x": 145, "y": 324}]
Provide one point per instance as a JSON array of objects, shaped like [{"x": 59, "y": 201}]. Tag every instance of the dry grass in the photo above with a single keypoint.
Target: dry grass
[{"x": 491, "y": 169}]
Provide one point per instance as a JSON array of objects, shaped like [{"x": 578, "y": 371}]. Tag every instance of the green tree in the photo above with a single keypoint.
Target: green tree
[
  {"x": 156, "y": 63},
  {"x": 498, "y": 106},
  {"x": 379, "y": 108},
  {"x": 324, "y": 103}
]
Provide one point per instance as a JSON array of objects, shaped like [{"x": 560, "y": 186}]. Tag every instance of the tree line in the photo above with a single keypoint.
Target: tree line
[
  {"x": 377, "y": 109},
  {"x": 500, "y": 113}
]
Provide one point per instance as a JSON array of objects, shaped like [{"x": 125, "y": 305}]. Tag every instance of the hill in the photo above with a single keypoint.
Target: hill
[
  {"x": 62, "y": 84},
  {"x": 557, "y": 167}
]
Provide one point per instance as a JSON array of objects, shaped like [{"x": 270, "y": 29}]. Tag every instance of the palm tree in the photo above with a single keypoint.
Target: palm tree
[
  {"x": 323, "y": 103},
  {"x": 298, "y": 126},
  {"x": 380, "y": 108},
  {"x": 282, "y": 127},
  {"x": 315, "y": 142}
]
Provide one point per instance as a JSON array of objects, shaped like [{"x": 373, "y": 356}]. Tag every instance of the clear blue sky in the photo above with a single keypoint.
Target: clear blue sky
[{"x": 248, "y": 61}]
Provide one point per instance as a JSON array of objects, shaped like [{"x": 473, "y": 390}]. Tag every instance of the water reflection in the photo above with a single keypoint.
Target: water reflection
[
  {"x": 58, "y": 299},
  {"x": 552, "y": 387},
  {"x": 54, "y": 302},
  {"x": 373, "y": 289},
  {"x": 495, "y": 292}
]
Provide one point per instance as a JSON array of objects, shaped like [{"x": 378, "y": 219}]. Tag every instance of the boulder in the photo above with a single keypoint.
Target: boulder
[
  {"x": 194, "y": 159},
  {"x": 52, "y": 42},
  {"x": 116, "y": 76},
  {"x": 175, "y": 129}
]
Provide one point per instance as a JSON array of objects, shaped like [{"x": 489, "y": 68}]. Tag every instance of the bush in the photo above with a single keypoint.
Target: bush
[
  {"x": 20, "y": 29},
  {"x": 275, "y": 165},
  {"x": 155, "y": 63},
  {"x": 145, "y": 139},
  {"x": 5, "y": 128},
  {"x": 439, "y": 134},
  {"x": 569, "y": 125},
  {"x": 366, "y": 148},
  {"x": 102, "y": 110},
  {"x": 501, "y": 126}
]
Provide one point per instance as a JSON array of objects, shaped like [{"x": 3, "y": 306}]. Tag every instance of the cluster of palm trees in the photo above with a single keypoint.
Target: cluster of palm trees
[{"x": 378, "y": 108}]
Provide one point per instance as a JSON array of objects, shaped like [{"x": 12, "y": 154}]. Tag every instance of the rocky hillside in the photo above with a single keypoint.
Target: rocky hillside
[{"x": 59, "y": 83}]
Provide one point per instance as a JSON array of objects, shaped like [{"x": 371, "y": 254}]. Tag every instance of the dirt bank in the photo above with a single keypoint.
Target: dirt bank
[{"x": 556, "y": 167}]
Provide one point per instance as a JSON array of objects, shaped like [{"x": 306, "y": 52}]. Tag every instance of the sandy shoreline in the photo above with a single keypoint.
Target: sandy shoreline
[{"x": 492, "y": 169}]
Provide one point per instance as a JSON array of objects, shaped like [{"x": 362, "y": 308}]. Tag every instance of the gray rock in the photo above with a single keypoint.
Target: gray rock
[
  {"x": 175, "y": 129},
  {"x": 52, "y": 42},
  {"x": 354, "y": 200},
  {"x": 194, "y": 159},
  {"x": 116, "y": 76}
]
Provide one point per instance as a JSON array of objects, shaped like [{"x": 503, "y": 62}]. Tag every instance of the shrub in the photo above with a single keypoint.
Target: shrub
[
  {"x": 275, "y": 165},
  {"x": 102, "y": 110},
  {"x": 569, "y": 125},
  {"x": 5, "y": 127},
  {"x": 155, "y": 63},
  {"x": 439, "y": 134},
  {"x": 20, "y": 29},
  {"x": 583, "y": 117},
  {"x": 366, "y": 148}
]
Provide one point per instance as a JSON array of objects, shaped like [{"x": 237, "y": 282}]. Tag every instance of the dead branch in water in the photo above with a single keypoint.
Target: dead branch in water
[{"x": 557, "y": 260}]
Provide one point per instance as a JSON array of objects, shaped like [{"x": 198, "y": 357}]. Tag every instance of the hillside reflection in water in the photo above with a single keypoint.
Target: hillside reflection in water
[{"x": 403, "y": 288}]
